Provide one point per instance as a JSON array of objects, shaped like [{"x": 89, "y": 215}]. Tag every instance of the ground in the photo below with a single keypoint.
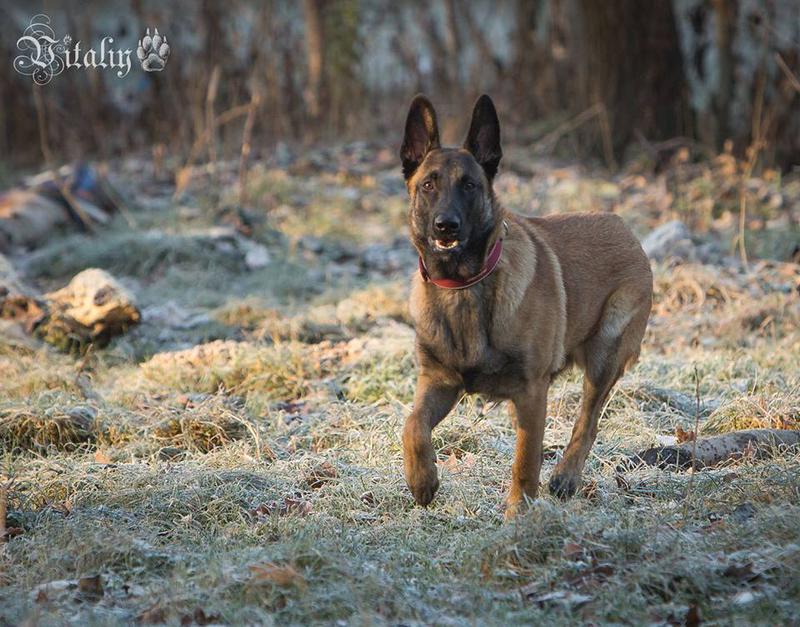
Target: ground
[{"x": 235, "y": 458}]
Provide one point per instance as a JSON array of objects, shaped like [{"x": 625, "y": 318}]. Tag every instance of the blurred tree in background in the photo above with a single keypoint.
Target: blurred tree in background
[{"x": 591, "y": 79}]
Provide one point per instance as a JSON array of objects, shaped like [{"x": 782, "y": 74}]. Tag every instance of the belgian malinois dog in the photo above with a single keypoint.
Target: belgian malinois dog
[{"x": 503, "y": 303}]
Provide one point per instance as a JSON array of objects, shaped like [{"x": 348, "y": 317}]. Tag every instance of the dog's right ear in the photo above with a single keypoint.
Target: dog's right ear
[{"x": 422, "y": 135}]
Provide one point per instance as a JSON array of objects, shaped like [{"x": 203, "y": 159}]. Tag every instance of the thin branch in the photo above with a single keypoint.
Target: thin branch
[
  {"x": 247, "y": 133},
  {"x": 793, "y": 80}
]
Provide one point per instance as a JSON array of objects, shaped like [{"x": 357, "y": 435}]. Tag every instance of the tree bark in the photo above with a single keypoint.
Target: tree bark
[
  {"x": 315, "y": 56},
  {"x": 712, "y": 451},
  {"x": 629, "y": 60}
]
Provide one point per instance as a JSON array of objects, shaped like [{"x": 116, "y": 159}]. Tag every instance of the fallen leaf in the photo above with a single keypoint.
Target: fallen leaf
[
  {"x": 454, "y": 463},
  {"x": 280, "y": 575},
  {"x": 743, "y": 571},
  {"x": 154, "y": 615},
  {"x": 101, "y": 458},
  {"x": 91, "y": 587},
  {"x": 451, "y": 463},
  {"x": 572, "y": 551},
  {"x": 287, "y": 505},
  {"x": 320, "y": 475},
  {"x": 684, "y": 436},
  {"x": 65, "y": 507}
]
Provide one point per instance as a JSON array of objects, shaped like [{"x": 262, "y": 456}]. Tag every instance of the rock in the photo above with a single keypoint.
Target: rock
[
  {"x": 256, "y": 256},
  {"x": 94, "y": 298},
  {"x": 93, "y": 307},
  {"x": 82, "y": 415},
  {"x": 27, "y": 219},
  {"x": 671, "y": 239}
]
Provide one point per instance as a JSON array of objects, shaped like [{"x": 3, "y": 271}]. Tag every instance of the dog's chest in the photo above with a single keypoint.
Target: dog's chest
[{"x": 458, "y": 333}]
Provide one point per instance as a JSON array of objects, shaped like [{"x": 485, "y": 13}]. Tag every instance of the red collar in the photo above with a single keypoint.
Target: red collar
[{"x": 454, "y": 284}]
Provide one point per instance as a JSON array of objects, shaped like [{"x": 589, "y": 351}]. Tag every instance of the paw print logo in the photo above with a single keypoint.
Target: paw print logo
[{"x": 153, "y": 51}]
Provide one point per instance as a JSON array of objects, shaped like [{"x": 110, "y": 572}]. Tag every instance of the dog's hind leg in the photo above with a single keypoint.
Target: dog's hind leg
[{"x": 605, "y": 356}]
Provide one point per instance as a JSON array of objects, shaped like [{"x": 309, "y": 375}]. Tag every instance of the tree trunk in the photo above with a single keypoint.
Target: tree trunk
[
  {"x": 629, "y": 60},
  {"x": 712, "y": 451},
  {"x": 315, "y": 57}
]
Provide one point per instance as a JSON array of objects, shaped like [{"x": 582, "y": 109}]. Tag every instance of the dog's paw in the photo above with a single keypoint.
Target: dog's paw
[
  {"x": 423, "y": 484},
  {"x": 514, "y": 509},
  {"x": 153, "y": 52},
  {"x": 563, "y": 486}
]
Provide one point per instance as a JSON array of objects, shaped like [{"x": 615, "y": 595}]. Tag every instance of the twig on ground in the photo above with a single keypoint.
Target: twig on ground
[{"x": 694, "y": 443}]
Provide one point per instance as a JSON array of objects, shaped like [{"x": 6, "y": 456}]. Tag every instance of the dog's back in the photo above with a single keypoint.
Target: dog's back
[{"x": 597, "y": 253}]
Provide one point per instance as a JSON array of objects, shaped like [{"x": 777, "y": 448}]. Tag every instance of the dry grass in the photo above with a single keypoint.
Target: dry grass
[
  {"x": 257, "y": 479},
  {"x": 50, "y": 423}
]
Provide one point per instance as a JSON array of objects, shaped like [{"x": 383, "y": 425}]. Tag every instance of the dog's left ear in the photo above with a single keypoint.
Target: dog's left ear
[{"x": 483, "y": 139}]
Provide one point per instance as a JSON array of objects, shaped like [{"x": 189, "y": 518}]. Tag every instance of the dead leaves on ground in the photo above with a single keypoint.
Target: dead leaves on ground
[
  {"x": 455, "y": 463},
  {"x": 682, "y": 435},
  {"x": 290, "y": 504},
  {"x": 89, "y": 589},
  {"x": 158, "y": 614},
  {"x": 575, "y": 591},
  {"x": 320, "y": 475},
  {"x": 281, "y": 575}
]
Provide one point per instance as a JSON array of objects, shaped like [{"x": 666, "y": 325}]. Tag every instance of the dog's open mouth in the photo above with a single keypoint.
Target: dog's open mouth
[{"x": 445, "y": 244}]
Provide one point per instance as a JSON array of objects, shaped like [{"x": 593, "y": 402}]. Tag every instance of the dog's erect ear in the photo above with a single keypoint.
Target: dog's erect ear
[
  {"x": 483, "y": 139},
  {"x": 422, "y": 134}
]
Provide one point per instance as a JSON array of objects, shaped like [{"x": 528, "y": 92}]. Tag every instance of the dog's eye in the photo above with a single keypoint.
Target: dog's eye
[
  {"x": 427, "y": 186},
  {"x": 469, "y": 186}
]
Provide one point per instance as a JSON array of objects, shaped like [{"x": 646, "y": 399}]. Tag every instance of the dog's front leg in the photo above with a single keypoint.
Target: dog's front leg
[
  {"x": 432, "y": 402},
  {"x": 530, "y": 409}
]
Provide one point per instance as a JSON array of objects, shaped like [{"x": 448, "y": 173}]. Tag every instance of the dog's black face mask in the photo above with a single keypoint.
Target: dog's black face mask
[{"x": 452, "y": 210}]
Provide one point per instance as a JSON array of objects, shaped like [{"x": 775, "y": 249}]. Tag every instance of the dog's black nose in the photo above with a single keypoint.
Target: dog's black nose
[{"x": 446, "y": 223}]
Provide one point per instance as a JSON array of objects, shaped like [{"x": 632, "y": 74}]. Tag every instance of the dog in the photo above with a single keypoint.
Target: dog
[{"x": 503, "y": 303}]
